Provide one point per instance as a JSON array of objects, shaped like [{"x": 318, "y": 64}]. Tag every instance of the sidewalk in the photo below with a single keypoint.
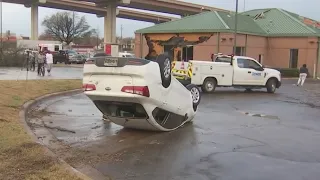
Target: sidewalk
[{"x": 69, "y": 65}]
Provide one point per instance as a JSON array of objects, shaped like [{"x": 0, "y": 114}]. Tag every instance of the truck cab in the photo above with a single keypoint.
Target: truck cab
[{"x": 234, "y": 71}]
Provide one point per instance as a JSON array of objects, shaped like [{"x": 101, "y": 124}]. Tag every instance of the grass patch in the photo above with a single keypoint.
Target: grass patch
[{"x": 20, "y": 157}]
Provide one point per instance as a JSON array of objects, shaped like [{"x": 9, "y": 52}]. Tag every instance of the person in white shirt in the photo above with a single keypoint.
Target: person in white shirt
[{"x": 49, "y": 58}]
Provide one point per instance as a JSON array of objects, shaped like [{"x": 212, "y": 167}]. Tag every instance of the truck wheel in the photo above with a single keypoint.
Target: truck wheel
[
  {"x": 165, "y": 69},
  {"x": 271, "y": 85},
  {"x": 196, "y": 96},
  {"x": 209, "y": 85}
]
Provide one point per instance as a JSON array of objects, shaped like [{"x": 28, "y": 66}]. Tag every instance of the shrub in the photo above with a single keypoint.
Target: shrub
[
  {"x": 12, "y": 55},
  {"x": 288, "y": 72}
]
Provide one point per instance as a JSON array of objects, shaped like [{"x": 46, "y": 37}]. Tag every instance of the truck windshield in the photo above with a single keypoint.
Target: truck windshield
[{"x": 223, "y": 59}]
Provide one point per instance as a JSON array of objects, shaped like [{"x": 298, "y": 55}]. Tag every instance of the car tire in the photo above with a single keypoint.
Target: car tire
[
  {"x": 165, "y": 69},
  {"x": 271, "y": 86},
  {"x": 209, "y": 85},
  {"x": 196, "y": 95}
]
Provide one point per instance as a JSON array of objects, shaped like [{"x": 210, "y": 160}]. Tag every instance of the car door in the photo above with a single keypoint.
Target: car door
[
  {"x": 257, "y": 73},
  {"x": 247, "y": 72}
]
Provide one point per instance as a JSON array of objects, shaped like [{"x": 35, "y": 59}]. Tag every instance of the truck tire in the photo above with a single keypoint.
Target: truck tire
[
  {"x": 209, "y": 85},
  {"x": 271, "y": 85},
  {"x": 165, "y": 69},
  {"x": 196, "y": 95}
]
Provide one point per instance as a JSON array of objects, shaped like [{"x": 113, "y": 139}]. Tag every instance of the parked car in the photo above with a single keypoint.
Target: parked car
[
  {"x": 138, "y": 93},
  {"x": 78, "y": 59},
  {"x": 63, "y": 56},
  {"x": 100, "y": 54},
  {"x": 125, "y": 54}
]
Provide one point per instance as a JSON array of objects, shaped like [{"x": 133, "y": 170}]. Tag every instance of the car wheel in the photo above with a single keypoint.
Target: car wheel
[
  {"x": 209, "y": 85},
  {"x": 271, "y": 85},
  {"x": 165, "y": 69},
  {"x": 196, "y": 95}
]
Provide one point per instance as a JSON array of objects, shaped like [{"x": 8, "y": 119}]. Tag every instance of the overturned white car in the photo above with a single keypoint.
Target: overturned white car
[{"x": 138, "y": 93}]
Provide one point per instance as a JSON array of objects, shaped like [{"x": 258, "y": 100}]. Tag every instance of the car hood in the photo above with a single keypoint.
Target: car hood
[{"x": 273, "y": 71}]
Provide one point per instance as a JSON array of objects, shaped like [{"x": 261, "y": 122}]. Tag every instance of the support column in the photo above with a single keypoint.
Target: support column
[
  {"x": 218, "y": 42},
  {"x": 246, "y": 45},
  {"x": 34, "y": 22},
  {"x": 110, "y": 24}
]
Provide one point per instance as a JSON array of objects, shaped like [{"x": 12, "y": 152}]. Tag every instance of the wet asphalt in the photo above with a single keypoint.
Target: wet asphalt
[
  {"x": 57, "y": 73},
  {"x": 235, "y": 135}
]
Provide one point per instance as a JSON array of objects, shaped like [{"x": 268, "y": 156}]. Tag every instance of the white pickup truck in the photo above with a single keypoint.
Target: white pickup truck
[{"x": 241, "y": 72}]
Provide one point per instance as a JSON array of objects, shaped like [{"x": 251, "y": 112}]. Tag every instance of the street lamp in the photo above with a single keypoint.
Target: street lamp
[{"x": 235, "y": 28}]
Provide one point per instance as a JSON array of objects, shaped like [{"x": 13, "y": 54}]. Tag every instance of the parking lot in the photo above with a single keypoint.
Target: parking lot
[{"x": 235, "y": 135}]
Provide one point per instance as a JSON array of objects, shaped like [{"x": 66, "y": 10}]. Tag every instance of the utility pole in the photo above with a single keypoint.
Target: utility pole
[
  {"x": 235, "y": 28},
  {"x": 97, "y": 33},
  {"x": 121, "y": 31},
  {"x": 73, "y": 18},
  {"x": 121, "y": 40}
]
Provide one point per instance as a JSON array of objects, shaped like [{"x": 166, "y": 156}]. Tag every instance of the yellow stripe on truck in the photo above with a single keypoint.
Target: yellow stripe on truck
[{"x": 190, "y": 69}]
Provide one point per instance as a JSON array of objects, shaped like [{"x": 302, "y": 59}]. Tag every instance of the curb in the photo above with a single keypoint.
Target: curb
[{"x": 22, "y": 114}]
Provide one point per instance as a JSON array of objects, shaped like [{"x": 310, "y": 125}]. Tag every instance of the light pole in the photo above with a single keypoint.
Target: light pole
[
  {"x": 235, "y": 28},
  {"x": 73, "y": 30}
]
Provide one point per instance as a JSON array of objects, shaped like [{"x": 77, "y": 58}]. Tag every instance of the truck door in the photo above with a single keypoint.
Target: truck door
[{"x": 247, "y": 72}]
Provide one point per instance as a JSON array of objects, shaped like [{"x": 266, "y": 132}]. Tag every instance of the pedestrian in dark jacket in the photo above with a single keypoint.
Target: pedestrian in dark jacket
[{"x": 304, "y": 72}]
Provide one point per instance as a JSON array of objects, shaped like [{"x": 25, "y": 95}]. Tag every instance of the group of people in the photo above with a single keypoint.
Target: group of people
[{"x": 43, "y": 59}]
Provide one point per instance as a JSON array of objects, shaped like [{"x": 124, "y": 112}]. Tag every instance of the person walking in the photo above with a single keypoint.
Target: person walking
[
  {"x": 33, "y": 61},
  {"x": 41, "y": 59},
  {"x": 304, "y": 72},
  {"x": 49, "y": 58}
]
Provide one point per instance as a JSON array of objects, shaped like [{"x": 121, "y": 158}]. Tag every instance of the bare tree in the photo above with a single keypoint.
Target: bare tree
[
  {"x": 65, "y": 27},
  {"x": 89, "y": 38}
]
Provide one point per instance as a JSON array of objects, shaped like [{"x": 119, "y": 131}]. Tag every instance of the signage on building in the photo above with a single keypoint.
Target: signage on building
[{"x": 83, "y": 49}]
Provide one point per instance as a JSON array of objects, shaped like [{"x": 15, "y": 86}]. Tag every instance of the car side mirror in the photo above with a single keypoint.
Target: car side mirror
[{"x": 260, "y": 69}]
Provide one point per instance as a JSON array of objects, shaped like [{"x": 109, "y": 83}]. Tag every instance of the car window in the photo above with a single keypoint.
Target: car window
[
  {"x": 223, "y": 59},
  {"x": 254, "y": 65},
  {"x": 243, "y": 63},
  {"x": 247, "y": 63}
]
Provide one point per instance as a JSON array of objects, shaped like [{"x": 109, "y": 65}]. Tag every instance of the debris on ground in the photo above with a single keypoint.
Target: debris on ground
[
  {"x": 96, "y": 127},
  {"x": 59, "y": 128}
]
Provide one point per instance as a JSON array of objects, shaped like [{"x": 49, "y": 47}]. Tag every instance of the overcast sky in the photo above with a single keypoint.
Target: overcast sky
[{"x": 17, "y": 18}]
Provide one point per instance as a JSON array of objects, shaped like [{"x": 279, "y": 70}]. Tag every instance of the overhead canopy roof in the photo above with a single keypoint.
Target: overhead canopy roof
[{"x": 265, "y": 22}]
